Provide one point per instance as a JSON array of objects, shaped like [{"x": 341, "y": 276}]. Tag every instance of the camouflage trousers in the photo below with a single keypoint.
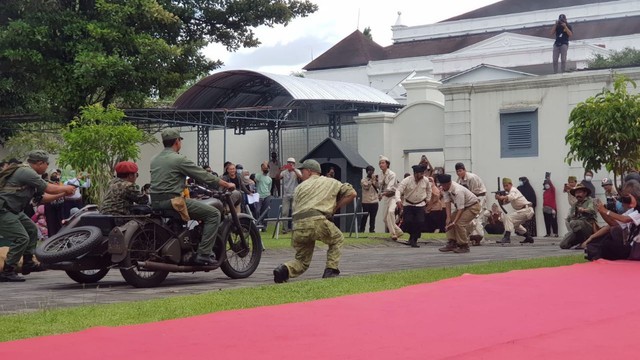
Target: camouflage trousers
[{"x": 303, "y": 240}]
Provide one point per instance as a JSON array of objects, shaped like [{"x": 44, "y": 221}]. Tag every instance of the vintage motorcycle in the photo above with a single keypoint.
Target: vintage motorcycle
[{"x": 147, "y": 245}]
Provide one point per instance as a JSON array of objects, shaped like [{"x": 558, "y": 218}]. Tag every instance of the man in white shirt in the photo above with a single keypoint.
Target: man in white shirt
[
  {"x": 523, "y": 212},
  {"x": 290, "y": 177},
  {"x": 412, "y": 195},
  {"x": 387, "y": 183},
  {"x": 459, "y": 223}
]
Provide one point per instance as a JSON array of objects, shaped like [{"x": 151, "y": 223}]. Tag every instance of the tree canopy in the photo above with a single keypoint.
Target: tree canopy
[
  {"x": 57, "y": 56},
  {"x": 604, "y": 130}
]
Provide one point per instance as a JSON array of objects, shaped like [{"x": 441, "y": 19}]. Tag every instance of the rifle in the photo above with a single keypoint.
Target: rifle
[{"x": 501, "y": 193}]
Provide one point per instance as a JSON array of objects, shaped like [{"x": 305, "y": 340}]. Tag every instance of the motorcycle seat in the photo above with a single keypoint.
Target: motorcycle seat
[
  {"x": 140, "y": 210},
  {"x": 168, "y": 214}
]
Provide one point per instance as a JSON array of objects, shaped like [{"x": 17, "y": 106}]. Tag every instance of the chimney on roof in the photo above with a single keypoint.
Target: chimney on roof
[{"x": 398, "y": 24}]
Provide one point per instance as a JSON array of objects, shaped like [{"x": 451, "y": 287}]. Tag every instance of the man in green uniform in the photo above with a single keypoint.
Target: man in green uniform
[
  {"x": 315, "y": 201},
  {"x": 19, "y": 188},
  {"x": 169, "y": 171},
  {"x": 582, "y": 218},
  {"x": 123, "y": 191}
]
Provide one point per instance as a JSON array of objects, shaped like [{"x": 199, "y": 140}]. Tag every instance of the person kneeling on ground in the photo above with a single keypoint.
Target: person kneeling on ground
[
  {"x": 315, "y": 201},
  {"x": 20, "y": 184},
  {"x": 523, "y": 212},
  {"x": 581, "y": 219},
  {"x": 467, "y": 208}
]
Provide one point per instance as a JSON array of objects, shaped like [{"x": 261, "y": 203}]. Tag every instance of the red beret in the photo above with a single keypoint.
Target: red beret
[{"x": 126, "y": 167}]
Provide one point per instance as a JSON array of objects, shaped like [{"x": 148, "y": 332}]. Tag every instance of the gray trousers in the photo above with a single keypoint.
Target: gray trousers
[
  {"x": 561, "y": 52},
  {"x": 579, "y": 231}
]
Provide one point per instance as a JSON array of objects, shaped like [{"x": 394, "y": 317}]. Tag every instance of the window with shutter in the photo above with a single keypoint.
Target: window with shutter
[{"x": 519, "y": 134}]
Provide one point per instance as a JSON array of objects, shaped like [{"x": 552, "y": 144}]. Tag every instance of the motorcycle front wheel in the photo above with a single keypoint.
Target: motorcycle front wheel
[
  {"x": 87, "y": 276},
  {"x": 141, "y": 248},
  {"x": 242, "y": 261}
]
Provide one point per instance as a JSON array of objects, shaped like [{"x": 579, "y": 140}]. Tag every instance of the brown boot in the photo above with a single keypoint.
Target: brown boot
[
  {"x": 475, "y": 240},
  {"x": 462, "y": 249},
  {"x": 451, "y": 245}
]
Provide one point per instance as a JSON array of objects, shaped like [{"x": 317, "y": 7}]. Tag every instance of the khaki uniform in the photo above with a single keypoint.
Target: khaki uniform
[
  {"x": 476, "y": 186},
  {"x": 523, "y": 212},
  {"x": 314, "y": 201},
  {"x": 580, "y": 223},
  {"x": 169, "y": 170},
  {"x": 121, "y": 195},
  {"x": 369, "y": 203},
  {"x": 415, "y": 196},
  {"x": 15, "y": 226},
  {"x": 387, "y": 181},
  {"x": 463, "y": 200}
]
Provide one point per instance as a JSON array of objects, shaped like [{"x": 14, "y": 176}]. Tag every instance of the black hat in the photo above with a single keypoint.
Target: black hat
[
  {"x": 460, "y": 166},
  {"x": 419, "y": 168},
  {"x": 444, "y": 178}
]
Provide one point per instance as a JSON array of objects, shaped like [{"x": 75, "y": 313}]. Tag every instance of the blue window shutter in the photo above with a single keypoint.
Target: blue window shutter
[{"x": 519, "y": 134}]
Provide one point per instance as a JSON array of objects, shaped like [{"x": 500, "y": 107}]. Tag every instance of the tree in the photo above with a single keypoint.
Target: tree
[
  {"x": 96, "y": 141},
  {"x": 367, "y": 33},
  {"x": 604, "y": 130},
  {"x": 57, "y": 56},
  {"x": 625, "y": 57},
  {"x": 28, "y": 137}
]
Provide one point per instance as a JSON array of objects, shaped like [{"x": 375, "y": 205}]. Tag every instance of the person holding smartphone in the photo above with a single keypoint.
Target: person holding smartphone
[{"x": 562, "y": 31}]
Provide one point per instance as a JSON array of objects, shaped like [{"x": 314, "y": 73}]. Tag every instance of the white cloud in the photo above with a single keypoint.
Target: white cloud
[{"x": 287, "y": 49}]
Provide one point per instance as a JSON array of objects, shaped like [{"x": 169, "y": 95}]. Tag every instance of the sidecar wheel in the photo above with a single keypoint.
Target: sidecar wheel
[
  {"x": 241, "y": 261},
  {"x": 69, "y": 245},
  {"x": 143, "y": 244},
  {"x": 87, "y": 276}
]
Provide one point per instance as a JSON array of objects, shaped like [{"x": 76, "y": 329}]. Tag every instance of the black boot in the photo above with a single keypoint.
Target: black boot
[
  {"x": 527, "y": 239},
  {"x": 203, "y": 260},
  {"x": 280, "y": 274},
  {"x": 29, "y": 266},
  {"x": 506, "y": 239},
  {"x": 8, "y": 274},
  {"x": 329, "y": 273}
]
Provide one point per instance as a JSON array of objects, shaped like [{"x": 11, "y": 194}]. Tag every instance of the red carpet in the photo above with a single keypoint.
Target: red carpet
[{"x": 586, "y": 311}]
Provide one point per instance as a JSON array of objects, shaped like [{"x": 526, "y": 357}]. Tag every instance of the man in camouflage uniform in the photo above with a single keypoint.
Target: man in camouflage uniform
[
  {"x": 582, "y": 218},
  {"x": 169, "y": 171},
  {"x": 19, "y": 188},
  {"x": 123, "y": 191},
  {"x": 315, "y": 200}
]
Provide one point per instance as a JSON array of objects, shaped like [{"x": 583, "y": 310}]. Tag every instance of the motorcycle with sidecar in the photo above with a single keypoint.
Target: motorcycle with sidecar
[{"x": 148, "y": 244}]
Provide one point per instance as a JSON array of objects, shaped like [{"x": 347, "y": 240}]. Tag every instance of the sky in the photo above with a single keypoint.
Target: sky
[{"x": 287, "y": 49}]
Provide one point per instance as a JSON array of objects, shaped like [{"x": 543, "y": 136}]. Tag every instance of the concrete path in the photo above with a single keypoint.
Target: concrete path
[{"x": 53, "y": 289}]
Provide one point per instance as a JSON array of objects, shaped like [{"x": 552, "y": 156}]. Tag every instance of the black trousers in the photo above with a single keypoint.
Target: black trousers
[
  {"x": 551, "y": 223},
  {"x": 372, "y": 211},
  {"x": 275, "y": 187},
  {"x": 435, "y": 220},
  {"x": 413, "y": 218}
]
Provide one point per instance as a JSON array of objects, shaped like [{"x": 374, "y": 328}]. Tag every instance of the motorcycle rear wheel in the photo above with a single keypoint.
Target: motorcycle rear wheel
[
  {"x": 142, "y": 246},
  {"x": 87, "y": 276},
  {"x": 241, "y": 261},
  {"x": 69, "y": 244}
]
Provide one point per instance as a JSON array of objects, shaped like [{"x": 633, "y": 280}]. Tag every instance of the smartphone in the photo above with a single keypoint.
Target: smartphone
[{"x": 547, "y": 175}]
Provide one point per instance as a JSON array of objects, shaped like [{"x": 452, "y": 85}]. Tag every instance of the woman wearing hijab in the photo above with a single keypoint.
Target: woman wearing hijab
[{"x": 527, "y": 190}]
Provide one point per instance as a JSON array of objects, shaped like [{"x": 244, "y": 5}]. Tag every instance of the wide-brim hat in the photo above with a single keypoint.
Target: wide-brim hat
[{"x": 580, "y": 187}]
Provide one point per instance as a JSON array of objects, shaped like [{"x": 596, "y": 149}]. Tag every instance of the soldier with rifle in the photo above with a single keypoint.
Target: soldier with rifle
[{"x": 523, "y": 212}]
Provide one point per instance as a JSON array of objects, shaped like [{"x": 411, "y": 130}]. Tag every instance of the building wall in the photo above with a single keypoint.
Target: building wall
[{"x": 472, "y": 129}]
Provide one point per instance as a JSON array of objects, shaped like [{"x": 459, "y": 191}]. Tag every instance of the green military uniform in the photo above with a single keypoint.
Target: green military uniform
[
  {"x": 169, "y": 170},
  {"x": 15, "y": 226},
  {"x": 314, "y": 201},
  {"x": 581, "y": 223},
  {"x": 121, "y": 195}
]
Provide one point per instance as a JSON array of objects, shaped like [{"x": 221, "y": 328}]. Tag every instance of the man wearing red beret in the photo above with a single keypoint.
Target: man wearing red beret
[{"x": 123, "y": 191}]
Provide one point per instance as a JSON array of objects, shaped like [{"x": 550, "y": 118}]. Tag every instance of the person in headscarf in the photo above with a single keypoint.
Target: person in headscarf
[{"x": 527, "y": 190}]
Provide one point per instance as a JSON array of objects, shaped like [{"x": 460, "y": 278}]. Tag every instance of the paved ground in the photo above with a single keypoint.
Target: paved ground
[{"x": 54, "y": 289}]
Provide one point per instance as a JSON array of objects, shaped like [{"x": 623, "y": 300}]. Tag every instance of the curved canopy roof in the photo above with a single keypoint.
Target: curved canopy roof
[{"x": 250, "y": 89}]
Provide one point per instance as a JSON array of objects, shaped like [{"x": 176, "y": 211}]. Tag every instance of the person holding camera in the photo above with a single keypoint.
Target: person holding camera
[{"x": 562, "y": 31}]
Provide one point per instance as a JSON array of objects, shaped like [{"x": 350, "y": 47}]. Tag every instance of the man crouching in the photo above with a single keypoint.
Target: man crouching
[{"x": 315, "y": 201}]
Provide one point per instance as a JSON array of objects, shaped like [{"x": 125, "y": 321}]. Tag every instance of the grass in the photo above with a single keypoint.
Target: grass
[
  {"x": 284, "y": 240},
  {"x": 56, "y": 321}
]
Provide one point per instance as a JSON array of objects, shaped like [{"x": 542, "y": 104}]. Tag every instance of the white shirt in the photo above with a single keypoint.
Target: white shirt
[{"x": 414, "y": 193}]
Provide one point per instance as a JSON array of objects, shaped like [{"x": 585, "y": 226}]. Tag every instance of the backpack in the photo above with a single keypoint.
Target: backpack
[{"x": 6, "y": 174}]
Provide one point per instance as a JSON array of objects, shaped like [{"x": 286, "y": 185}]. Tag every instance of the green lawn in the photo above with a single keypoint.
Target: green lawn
[{"x": 47, "y": 322}]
